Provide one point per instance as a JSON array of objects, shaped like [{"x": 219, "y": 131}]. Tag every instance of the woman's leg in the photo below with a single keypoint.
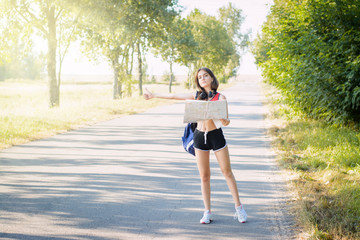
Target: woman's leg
[
  {"x": 203, "y": 162},
  {"x": 223, "y": 159}
]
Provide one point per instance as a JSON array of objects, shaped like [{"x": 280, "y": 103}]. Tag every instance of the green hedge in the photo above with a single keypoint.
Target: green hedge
[{"x": 310, "y": 50}]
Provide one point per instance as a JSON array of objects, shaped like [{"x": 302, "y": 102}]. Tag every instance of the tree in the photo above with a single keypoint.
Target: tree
[
  {"x": 232, "y": 20},
  {"x": 145, "y": 21},
  {"x": 177, "y": 45},
  {"x": 215, "y": 46},
  {"x": 121, "y": 29},
  {"x": 44, "y": 17},
  {"x": 15, "y": 43},
  {"x": 104, "y": 34}
]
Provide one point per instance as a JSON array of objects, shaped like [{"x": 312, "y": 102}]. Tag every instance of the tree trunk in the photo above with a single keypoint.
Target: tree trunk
[
  {"x": 132, "y": 61},
  {"x": 140, "y": 69},
  {"x": 171, "y": 77},
  {"x": 190, "y": 77},
  {"x": 116, "y": 84},
  {"x": 54, "y": 86}
]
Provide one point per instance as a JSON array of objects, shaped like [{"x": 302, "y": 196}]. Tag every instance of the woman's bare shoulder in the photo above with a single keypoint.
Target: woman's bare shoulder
[{"x": 222, "y": 97}]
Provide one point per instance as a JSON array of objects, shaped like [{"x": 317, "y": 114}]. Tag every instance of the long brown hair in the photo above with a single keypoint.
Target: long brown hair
[{"x": 214, "y": 83}]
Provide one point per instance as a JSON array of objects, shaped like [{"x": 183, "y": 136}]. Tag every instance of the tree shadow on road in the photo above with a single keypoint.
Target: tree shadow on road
[{"x": 124, "y": 181}]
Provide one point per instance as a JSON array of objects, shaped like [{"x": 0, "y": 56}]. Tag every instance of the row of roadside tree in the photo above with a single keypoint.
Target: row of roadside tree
[{"x": 122, "y": 32}]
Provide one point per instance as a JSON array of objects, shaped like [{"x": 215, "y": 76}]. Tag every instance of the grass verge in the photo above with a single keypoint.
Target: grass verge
[{"x": 323, "y": 161}]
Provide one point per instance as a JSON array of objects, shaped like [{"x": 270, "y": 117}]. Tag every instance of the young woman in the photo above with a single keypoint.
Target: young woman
[{"x": 209, "y": 136}]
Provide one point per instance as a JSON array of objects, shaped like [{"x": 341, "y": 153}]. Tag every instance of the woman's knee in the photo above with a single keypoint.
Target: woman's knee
[
  {"x": 227, "y": 173},
  {"x": 205, "y": 177}
]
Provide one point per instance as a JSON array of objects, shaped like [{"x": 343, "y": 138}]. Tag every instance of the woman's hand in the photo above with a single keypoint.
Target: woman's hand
[
  {"x": 225, "y": 122},
  {"x": 148, "y": 95}
]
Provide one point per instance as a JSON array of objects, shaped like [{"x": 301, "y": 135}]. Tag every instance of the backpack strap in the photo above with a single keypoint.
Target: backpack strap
[
  {"x": 194, "y": 125},
  {"x": 216, "y": 97}
]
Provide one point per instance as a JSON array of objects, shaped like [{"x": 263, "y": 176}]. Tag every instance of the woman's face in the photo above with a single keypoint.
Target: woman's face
[{"x": 204, "y": 79}]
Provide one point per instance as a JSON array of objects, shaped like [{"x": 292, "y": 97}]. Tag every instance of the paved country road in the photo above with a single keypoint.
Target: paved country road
[{"x": 129, "y": 178}]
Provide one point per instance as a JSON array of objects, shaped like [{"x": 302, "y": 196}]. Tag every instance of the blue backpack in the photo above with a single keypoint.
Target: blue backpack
[{"x": 188, "y": 139}]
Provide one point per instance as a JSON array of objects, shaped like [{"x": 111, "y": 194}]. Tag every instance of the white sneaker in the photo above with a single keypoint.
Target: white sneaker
[
  {"x": 240, "y": 214},
  {"x": 207, "y": 218}
]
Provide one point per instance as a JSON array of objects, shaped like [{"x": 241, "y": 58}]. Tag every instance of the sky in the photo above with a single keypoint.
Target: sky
[{"x": 255, "y": 12}]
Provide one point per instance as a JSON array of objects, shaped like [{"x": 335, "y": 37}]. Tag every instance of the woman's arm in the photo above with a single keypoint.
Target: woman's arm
[
  {"x": 225, "y": 122},
  {"x": 179, "y": 96}
]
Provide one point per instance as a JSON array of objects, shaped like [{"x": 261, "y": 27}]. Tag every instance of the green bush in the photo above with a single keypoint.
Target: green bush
[{"x": 310, "y": 50}]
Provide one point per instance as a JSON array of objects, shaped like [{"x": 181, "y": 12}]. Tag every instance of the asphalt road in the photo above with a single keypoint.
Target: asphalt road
[{"x": 129, "y": 178}]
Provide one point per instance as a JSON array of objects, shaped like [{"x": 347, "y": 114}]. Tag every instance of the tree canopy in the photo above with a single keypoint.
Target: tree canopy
[{"x": 310, "y": 50}]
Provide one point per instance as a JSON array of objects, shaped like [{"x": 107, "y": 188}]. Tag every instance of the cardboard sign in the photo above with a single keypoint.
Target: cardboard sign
[{"x": 196, "y": 110}]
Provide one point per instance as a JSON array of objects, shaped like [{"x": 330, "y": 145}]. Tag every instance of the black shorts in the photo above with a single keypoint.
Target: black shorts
[{"x": 213, "y": 140}]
